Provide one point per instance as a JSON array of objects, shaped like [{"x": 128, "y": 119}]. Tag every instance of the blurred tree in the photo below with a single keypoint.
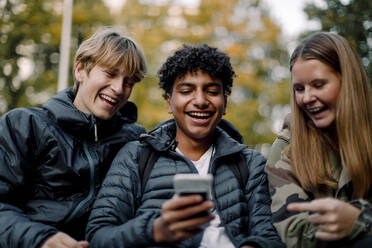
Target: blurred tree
[
  {"x": 350, "y": 18},
  {"x": 29, "y": 46},
  {"x": 241, "y": 28},
  {"x": 30, "y": 36}
]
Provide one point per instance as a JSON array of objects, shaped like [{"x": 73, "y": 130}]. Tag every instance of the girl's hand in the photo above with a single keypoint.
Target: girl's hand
[{"x": 333, "y": 218}]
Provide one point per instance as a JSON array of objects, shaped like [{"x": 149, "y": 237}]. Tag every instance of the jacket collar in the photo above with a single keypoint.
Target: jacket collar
[
  {"x": 162, "y": 138},
  {"x": 77, "y": 123}
]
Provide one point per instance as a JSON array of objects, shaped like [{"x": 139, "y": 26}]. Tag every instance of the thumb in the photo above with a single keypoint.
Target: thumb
[{"x": 83, "y": 244}]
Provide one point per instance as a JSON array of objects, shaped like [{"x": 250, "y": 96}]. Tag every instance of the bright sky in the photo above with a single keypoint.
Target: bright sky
[{"x": 290, "y": 15}]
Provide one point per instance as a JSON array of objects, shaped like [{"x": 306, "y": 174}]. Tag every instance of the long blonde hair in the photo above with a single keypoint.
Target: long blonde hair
[{"x": 310, "y": 146}]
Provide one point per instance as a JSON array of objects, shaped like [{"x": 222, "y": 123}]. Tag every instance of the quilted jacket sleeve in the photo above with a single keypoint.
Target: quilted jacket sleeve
[
  {"x": 262, "y": 231},
  {"x": 113, "y": 221},
  {"x": 16, "y": 144}
]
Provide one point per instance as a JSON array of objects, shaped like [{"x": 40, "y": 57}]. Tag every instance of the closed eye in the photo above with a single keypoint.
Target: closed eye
[
  {"x": 185, "y": 89},
  {"x": 184, "y": 92},
  {"x": 214, "y": 89},
  {"x": 213, "y": 92},
  {"x": 110, "y": 74},
  {"x": 298, "y": 88}
]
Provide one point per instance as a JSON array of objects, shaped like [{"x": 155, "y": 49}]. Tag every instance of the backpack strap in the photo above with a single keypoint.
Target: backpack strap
[
  {"x": 240, "y": 170},
  {"x": 146, "y": 162},
  {"x": 148, "y": 158}
]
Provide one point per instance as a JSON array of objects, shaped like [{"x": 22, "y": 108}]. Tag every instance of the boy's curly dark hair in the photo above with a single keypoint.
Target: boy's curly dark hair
[{"x": 192, "y": 58}]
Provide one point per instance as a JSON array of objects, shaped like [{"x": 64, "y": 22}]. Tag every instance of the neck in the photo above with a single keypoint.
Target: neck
[{"x": 193, "y": 149}]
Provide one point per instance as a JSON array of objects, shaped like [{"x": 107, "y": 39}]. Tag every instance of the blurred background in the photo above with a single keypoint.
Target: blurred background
[{"x": 258, "y": 35}]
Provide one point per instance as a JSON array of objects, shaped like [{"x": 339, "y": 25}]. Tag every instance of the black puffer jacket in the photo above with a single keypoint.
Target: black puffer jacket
[
  {"x": 122, "y": 217},
  {"x": 52, "y": 162}
]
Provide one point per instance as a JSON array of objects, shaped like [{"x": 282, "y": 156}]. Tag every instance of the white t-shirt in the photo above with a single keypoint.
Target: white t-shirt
[{"x": 214, "y": 235}]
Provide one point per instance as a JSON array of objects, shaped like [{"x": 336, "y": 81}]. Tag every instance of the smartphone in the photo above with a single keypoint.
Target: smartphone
[
  {"x": 188, "y": 184},
  {"x": 191, "y": 184}
]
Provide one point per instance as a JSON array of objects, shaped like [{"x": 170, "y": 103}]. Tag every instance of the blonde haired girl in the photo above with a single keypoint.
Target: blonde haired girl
[{"x": 328, "y": 164}]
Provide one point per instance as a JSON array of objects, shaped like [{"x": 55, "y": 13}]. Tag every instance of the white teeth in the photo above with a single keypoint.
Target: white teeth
[
  {"x": 198, "y": 114},
  {"x": 312, "y": 110},
  {"x": 109, "y": 99}
]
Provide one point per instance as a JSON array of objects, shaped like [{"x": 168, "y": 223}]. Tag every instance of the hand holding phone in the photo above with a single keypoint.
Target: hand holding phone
[
  {"x": 184, "y": 215},
  {"x": 194, "y": 184}
]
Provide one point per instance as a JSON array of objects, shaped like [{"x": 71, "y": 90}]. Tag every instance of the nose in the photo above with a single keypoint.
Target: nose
[
  {"x": 117, "y": 85},
  {"x": 308, "y": 96},
  {"x": 201, "y": 100}
]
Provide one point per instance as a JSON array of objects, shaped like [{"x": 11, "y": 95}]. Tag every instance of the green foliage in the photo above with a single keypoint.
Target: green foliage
[
  {"x": 29, "y": 46},
  {"x": 30, "y": 34},
  {"x": 240, "y": 28},
  {"x": 352, "y": 20}
]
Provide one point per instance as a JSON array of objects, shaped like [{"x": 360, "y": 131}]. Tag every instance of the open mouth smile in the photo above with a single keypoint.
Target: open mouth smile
[
  {"x": 108, "y": 99},
  {"x": 200, "y": 115},
  {"x": 316, "y": 110}
]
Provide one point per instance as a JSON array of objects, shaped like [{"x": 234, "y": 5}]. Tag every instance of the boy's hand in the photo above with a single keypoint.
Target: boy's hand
[
  {"x": 62, "y": 240},
  {"x": 333, "y": 218},
  {"x": 174, "y": 224}
]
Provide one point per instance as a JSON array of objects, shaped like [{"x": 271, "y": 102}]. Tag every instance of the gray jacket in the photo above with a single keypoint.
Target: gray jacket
[{"x": 122, "y": 217}]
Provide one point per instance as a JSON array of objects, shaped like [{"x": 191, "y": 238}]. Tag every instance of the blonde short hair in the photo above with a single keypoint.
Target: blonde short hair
[{"x": 109, "y": 48}]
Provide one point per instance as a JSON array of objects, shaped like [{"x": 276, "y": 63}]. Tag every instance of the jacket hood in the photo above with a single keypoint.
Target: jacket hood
[
  {"x": 227, "y": 138},
  {"x": 73, "y": 121}
]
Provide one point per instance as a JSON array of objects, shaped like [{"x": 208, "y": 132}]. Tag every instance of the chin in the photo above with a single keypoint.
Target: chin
[
  {"x": 322, "y": 124},
  {"x": 104, "y": 116}
]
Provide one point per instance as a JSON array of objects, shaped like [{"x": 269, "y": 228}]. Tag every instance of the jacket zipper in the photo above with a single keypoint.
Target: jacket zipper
[
  {"x": 95, "y": 129},
  {"x": 91, "y": 186}
]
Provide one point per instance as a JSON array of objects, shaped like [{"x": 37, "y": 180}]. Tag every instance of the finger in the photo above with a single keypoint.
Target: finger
[
  {"x": 69, "y": 242},
  {"x": 328, "y": 236},
  {"x": 190, "y": 210},
  {"x": 178, "y": 202},
  {"x": 190, "y": 224},
  {"x": 83, "y": 244},
  {"x": 319, "y": 205},
  {"x": 330, "y": 228},
  {"x": 60, "y": 240},
  {"x": 318, "y": 219},
  {"x": 327, "y": 218}
]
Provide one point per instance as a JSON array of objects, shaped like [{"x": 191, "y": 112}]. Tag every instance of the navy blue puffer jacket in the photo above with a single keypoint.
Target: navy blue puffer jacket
[
  {"x": 122, "y": 217},
  {"x": 51, "y": 167}
]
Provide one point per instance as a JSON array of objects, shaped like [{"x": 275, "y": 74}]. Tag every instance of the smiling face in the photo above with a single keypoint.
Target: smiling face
[
  {"x": 197, "y": 103},
  {"x": 102, "y": 91},
  {"x": 316, "y": 87}
]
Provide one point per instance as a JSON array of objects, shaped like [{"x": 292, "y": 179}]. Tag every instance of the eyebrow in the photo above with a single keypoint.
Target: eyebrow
[
  {"x": 188, "y": 84},
  {"x": 314, "y": 81}
]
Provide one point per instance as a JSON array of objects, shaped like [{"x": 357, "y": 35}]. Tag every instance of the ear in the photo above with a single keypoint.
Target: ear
[
  {"x": 79, "y": 73},
  {"x": 225, "y": 104},
  {"x": 169, "y": 96}
]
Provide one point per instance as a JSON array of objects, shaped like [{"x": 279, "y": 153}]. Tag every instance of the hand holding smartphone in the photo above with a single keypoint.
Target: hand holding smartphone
[
  {"x": 185, "y": 216},
  {"x": 191, "y": 184}
]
